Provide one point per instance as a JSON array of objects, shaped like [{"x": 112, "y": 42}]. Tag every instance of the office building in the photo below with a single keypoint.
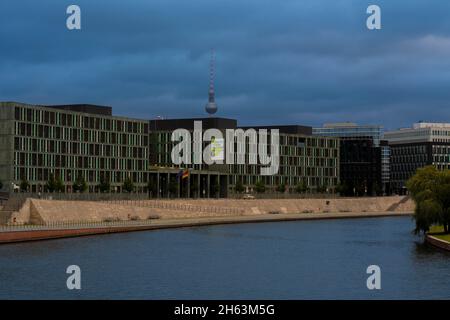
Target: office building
[
  {"x": 421, "y": 145},
  {"x": 364, "y": 157},
  {"x": 70, "y": 141}
]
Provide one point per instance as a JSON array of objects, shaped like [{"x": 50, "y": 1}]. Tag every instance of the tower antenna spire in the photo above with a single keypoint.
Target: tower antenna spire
[{"x": 211, "y": 106}]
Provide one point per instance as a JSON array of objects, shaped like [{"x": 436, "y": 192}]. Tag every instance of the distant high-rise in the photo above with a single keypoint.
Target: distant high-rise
[{"x": 211, "y": 106}]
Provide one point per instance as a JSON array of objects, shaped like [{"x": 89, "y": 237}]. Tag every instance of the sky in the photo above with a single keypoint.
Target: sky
[{"x": 277, "y": 61}]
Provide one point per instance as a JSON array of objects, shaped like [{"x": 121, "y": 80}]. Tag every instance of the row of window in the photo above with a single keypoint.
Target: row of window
[
  {"x": 76, "y": 148},
  {"x": 288, "y": 181},
  {"x": 61, "y": 118},
  {"x": 63, "y": 161},
  {"x": 404, "y": 150},
  {"x": 74, "y": 134},
  {"x": 284, "y": 140}
]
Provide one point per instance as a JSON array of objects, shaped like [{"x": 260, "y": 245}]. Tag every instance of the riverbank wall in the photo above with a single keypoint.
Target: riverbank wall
[
  {"x": 41, "y": 212},
  {"x": 33, "y": 233},
  {"x": 437, "y": 242}
]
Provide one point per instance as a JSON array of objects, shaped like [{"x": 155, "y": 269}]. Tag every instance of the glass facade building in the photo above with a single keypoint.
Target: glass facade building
[
  {"x": 304, "y": 159},
  {"x": 364, "y": 157},
  {"x": 71, "y": 141}
]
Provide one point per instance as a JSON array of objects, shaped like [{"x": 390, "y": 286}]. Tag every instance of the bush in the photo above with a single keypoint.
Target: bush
[
  {"x": 128, "y": 185},
  {"x": 24, "y": 185},
  {"x": 153, "y": 217},
  {"x": 260, "y": 187},
  {"x": 301, "y": 188},
  {"x": 80, "y": 184},
  {"x": 104, "y": 186},
  {"x": 239, "y": 188},
  {"x": 281, "y": 188},
  {"x": 135, "y": 218}
]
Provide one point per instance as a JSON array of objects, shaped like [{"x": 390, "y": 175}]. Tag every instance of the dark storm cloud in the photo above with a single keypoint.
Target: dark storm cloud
[{"x": 278, "y": 61}]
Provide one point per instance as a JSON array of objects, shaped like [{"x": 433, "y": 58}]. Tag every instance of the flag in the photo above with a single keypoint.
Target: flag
[{"x": 183, "y": 174}]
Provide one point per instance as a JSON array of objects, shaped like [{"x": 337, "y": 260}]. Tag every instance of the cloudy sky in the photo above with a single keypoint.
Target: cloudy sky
[{"x": 278, "y": 61}]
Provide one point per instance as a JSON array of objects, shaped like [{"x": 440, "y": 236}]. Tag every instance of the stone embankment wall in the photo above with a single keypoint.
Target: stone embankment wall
[
  {"x": 437, "y": 242},
  {"x": 36, "y": 211}
]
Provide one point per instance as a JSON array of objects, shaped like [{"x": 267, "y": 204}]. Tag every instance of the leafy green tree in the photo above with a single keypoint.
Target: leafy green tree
[
  {"x": 51, "y": 183},
  {"x": 239, "y": 187},
  {"x": 24, "y": 185},
  {"x": 430, "y": 189},
  {"x": 426, "y": 214},
  {"x": 104, "y": 186},
  {"x": 128, "y": 185},
  {"x": 80, "y": 184},
  {"x": 281, "y": 188},
  {"x": 260, "y": 187},
  {"x": 59, "y": 185},
  {"x": 342, "y": 188},
  {"x": 301, "y": 187}
]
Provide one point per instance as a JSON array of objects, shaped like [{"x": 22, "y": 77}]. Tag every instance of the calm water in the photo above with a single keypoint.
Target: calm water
[{"x": 284, "y": 260}]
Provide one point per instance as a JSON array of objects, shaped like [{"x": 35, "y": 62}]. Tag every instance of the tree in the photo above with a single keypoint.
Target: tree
[
  {"x": 260, "y": 187},
  {"x": 426, "y": 214},
  {"x": 80, "y": 184},
  {"x": 239, "y": 187},
  {"x": 321, "y": 189},
  {"x": 342, "y": 188},
  {"x": 51, "y": 183},
  {"x": 281, "y": 188},
  {"x": 301, "y": 187},
  {"x": 430, "y": 190},
  {"x": 59, "y": 185},
  {"x": 104, "y": 185},
  {"x": 215, "y": 187},
  {"x": 24, "y": 185},
  {"x": 128, "y": 185}
]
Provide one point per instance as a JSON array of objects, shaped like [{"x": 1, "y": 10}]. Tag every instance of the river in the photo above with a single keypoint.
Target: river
[{"x": 324, "y": 259}]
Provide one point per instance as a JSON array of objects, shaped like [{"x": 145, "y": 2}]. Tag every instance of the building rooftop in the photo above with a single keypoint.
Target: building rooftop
[
  {"x": 84, "y": 108},
  {"x": 287, "y": 129},
  {"x": 188, "y": 123}
]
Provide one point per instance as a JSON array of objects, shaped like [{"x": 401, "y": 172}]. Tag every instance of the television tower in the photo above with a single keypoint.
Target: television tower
[{"x": 211, "y": 106}]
